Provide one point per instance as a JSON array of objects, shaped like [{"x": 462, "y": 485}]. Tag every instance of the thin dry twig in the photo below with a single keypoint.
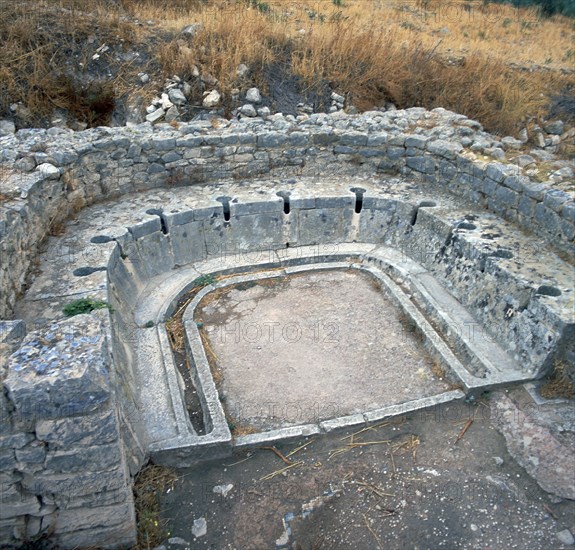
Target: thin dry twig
[
  {"x": 372, "y": 532},
  {"x": 551, "y": 512},
  {"x": 354, "y": 445},
  {"x": 368, "y": 443},
  {"x": 239, "y": 461},
  {"x": 368, "y": 428},
  {"x": 375, "y": 489},
  {"x": 392, "y": 462},
  {"x": 298, "y": 449},
  {"x": 410, "y": 445},
  {"x": 274, "y": 450},
  {"x": 465, "y": 428},
  {"x": 279, "y": 472}
]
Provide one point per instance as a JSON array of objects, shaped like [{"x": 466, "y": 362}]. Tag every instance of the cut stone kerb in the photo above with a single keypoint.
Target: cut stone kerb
[
  {"x": 416, "y": 347},
  {"x": 413, "y": 246}
]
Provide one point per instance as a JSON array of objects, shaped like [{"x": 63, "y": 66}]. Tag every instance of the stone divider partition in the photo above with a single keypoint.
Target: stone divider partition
[{"x": 69, "y": 437}]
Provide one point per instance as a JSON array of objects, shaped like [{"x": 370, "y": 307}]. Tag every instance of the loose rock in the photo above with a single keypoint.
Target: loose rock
[
  {"x": 177, "y": 97},
  {"x": 172, "y": 114},
  {"x": 165, "y": 101},
  {"x": 242, "y": 70},
  {"x": 338, "y": 98},
  {"x": 253, "y": 95},
  {"x": 566, "y": 537},
  {"x": 7, "y": 127},
  {"x": 156, "y": 115},
  {"x": 191, "y": 30},
  {"x": 264, "y": 112},
  {"x": 200, "y": 527},
  {"x": 223, "y": 489},
  {"x": 248, "y": 110},
  {"x": 212, "y": 99},
  {"x": 555, "y": 127}
]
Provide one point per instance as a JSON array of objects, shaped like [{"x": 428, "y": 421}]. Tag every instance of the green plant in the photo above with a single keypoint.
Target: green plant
[
  {"x": 338, "y": 3},
  {"x": 149, "y": 324},
  {"x": 84, "y": 305},
  {"x": 261, "y": 6},
  {"x": 203, "y": 280}
]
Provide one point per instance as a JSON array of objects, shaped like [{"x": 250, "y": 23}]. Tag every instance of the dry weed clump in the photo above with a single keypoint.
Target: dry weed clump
[
  {"x": 149, "y": 485},
  {"x": 467, "y": 56},
  {"x": 559, "y": 384},
  {"x": 46, "y": 59}
]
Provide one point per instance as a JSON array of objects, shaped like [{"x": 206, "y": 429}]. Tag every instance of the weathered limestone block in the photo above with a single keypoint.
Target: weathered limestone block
[
  {"x": 444, "y": 148},
  {"x": 77, "y": 519},
  {"x": 60, "y": 371},
  {"x": 65, "y": 487},
  {"x": 121, "y": 536},
  {"x": 97, "y": 458},
  {"x": 534, "y": 446},
  {"x": 32, "y": 454},
  {"x": 13, "y": 503},
  {"x": 16, "y": 441},
  {"x": 94, "y": 429}
]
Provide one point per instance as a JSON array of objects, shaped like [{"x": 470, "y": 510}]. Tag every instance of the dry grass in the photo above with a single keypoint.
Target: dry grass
[
  {"x": 438, "y": 370},
  {"x": 428, "y": 53},
  {"x": 149, "y": 484},
  {"x": 46, "y": 60},
  {"x": 559, "y": 384}
]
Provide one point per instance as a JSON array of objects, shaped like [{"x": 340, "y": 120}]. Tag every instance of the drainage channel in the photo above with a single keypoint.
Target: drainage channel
[{"x": 201, "y": 399}]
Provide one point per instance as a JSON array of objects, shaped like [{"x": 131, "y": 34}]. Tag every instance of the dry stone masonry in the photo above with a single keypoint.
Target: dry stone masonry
[{"x": 460, "y": 240}]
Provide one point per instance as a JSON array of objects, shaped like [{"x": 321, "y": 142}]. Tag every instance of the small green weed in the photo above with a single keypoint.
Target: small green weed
[
  {"x": 84, "y": 305},
  {"x": 262, "y": 7},
  {"x": 203, "y": 280}
]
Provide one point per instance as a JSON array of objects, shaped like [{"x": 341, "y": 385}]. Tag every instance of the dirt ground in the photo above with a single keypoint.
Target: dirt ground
[{"x": 409, "y": 483}]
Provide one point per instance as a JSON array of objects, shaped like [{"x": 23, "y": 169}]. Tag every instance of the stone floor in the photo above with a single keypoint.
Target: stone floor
[{"x": 310, "y": 347}]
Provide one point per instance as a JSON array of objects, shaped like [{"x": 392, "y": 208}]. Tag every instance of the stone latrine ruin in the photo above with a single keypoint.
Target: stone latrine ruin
[{"x": 473, "y": 253}]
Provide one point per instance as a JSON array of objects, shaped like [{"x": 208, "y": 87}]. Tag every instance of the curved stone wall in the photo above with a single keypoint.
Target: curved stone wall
[
  {"x": 74, "y": 170},
  {"x": 71, "y": 430}
]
